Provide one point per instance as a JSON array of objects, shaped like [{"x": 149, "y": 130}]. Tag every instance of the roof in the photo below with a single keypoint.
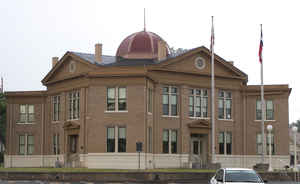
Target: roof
[
  {"x": 114, "y": 61},
  {"x": 238, "y": 169}
]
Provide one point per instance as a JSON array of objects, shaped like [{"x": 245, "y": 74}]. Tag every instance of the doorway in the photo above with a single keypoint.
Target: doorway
[{"x": 198, "y": 150}]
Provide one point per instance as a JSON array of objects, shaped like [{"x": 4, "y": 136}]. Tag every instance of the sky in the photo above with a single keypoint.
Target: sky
[{"x": 34, "y": 31}]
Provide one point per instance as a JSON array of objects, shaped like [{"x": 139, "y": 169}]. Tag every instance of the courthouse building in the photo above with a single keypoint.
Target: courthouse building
[{"x": 97, "y": 107}]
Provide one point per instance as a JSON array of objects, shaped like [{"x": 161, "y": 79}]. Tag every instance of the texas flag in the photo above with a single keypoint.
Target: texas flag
[{"x": 261, "y": 47}]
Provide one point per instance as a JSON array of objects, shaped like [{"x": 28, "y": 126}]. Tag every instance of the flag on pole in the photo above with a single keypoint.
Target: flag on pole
[{"x": 261, "y": 44}]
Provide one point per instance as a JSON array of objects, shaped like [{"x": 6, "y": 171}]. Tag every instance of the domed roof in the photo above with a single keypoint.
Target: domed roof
[{"x": 141, "y": 45}]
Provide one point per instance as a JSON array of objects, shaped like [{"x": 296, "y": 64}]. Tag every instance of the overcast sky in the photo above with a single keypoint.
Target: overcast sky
[{"x": 34, "y": 31}]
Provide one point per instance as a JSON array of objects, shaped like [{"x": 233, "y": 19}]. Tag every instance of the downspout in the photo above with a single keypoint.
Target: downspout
[
  {"x": 146, "y": 122},
  {"x": 180, "y": 126},
  {"x": 244, "y": 127},
  {"x": 42, "y": 145}
]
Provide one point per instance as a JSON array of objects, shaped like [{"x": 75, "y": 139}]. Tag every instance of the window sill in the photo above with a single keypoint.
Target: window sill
[
  {"x": 165, "y": 116},
  {"x": 115, "y": 111},
  {"x": 206, "y": 118},
  {"x": 149, "y": 113},
  {"x": 55, "y": 122},
  {"x": 226, "y": 120},
  {"x": 265, "y": 120},
  {"x": 73, "y": 119},
  {"x": 18, "y": 123}
]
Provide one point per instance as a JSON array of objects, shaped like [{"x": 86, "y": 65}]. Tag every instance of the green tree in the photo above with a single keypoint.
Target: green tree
[
  {"x": 2, "y": 117},
  {"x": 297, "y": 124}
]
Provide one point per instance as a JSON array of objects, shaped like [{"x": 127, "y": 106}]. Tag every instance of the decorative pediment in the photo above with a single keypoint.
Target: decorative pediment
[
  {"x": 71, "y": 125},
  {"x": 200, "y": 123},
  {"x": 198, "y": 61},
  {"x": 69, "y": 66}
]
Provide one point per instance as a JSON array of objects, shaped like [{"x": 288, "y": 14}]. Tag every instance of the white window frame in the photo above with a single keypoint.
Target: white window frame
[
  {"x": 202, "y": 97},
  {"x": 170, "y": 94},
  {"x": 266, "y": 139},
  {"x": 265, "y": 119},
  {"x": 26, "y": 114},
  {"x": 117, "y": 99},
  {"x": 56, "y": 105},
  {"x": 224, "y": 99},
  {"x": 116, "y": 132},
  {"x": 225, "y": 142},
  {"x": 74, "y": 114},
  {"x": 170, "y": 131},
  {"x": 26, "y": 144}
]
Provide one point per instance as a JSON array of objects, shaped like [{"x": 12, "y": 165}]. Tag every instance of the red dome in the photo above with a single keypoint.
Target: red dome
[{"x": 140, "y": 45}]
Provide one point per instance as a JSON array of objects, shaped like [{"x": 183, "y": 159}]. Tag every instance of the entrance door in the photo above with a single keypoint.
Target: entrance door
[{"x": 198, "y": 151}]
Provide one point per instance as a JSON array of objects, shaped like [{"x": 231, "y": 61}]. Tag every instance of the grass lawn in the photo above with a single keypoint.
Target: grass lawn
[{"x": 97, "y": 170}]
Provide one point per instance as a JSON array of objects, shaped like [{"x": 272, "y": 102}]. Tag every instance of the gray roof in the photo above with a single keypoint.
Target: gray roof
[
  {"x": 115, "y": 61},
  {"x": 106, "y": 60}
]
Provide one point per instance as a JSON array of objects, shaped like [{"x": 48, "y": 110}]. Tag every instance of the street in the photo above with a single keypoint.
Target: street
[{"x": 82, "y": 182}]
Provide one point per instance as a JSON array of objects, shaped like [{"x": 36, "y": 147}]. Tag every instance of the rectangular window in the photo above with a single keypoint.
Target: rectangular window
[
  {"x": 169, "y": 141},
  {"x": 73, "y": 143},
  {"x": 259, "y": 143},
  {"x": 26, "y": 144},
  {"x": 22, "y": 144},
  {"x": 225, "y": 143},
  {"x": 111, "y": 99},
  {"x": 150, "y": 100},
  {"x": 56, "y": 149},
  {"x": 74, "y": 104},
  {"x": 26, "y": 113},
  {"x": 116, "y": 99},
  {"x": 272, "y": 144},
  {"x": 170, "y": 101},
  {"x": 224, "y": 105},
  {"x": 150, "y": 139},
  {"x": 173, "y": 141},
  {"x": 198, "y": 103},
  {"x": 122, "y": 99},
  {"x": 269, "y": 110},
  {"x": 110, "y": 141},
  {"x": 122, "y": 140},
  {"x": 30, "y": 144},
  {"x": 56, "y": 108},
  {"x": 165, "y": 141}
]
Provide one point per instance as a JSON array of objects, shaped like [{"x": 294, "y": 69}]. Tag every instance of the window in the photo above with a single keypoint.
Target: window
[
  {"x": 224, "y": 105},
  {"x": 269, "y": 110},
  {"x": 26, "y": 113},
  {"x": 22, "y": 144},
  {"x": 169, "y": 141},
  {"x": 74, "y": 106},
  {"x": 110, "y": 140},
  {"x": 122, "y": 140},
  {"x": 116, "y": 101},
  {"x": 112, "y": 137},
  {"x": 259, "y": 143},
  {"x": 150, "y": 100},
  {"x": 26, "y": 144},
  {"x": 198, "y": 103},
  {"x": 225, "y": 143},
  {"x": 73, "y": 143},
  {"x": 150, "y": 139},
  {"x": 30, "y": 144},
  {"x": 56, "y": 149},
  {"x": 56, "y": 108},
  {"x": 170, "y": 104}
]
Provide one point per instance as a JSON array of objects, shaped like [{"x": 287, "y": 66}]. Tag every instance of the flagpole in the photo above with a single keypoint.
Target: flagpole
[
  {"x": 212, "y": 93},
  {"x": 262, "y": 102}
]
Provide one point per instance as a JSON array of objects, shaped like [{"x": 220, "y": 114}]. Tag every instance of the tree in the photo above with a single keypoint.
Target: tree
[
  {"x": 2, "y": 117},
  {"x": 297, "y": 124},
  {"x": 176, "y": 52}
]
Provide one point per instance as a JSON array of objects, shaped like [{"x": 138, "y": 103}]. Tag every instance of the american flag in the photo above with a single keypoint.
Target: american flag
[{"x": 261, "y": 44}]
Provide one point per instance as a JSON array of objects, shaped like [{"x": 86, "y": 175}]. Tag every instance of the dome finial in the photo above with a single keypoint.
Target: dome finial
[{"x": 144, "y": 19}]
